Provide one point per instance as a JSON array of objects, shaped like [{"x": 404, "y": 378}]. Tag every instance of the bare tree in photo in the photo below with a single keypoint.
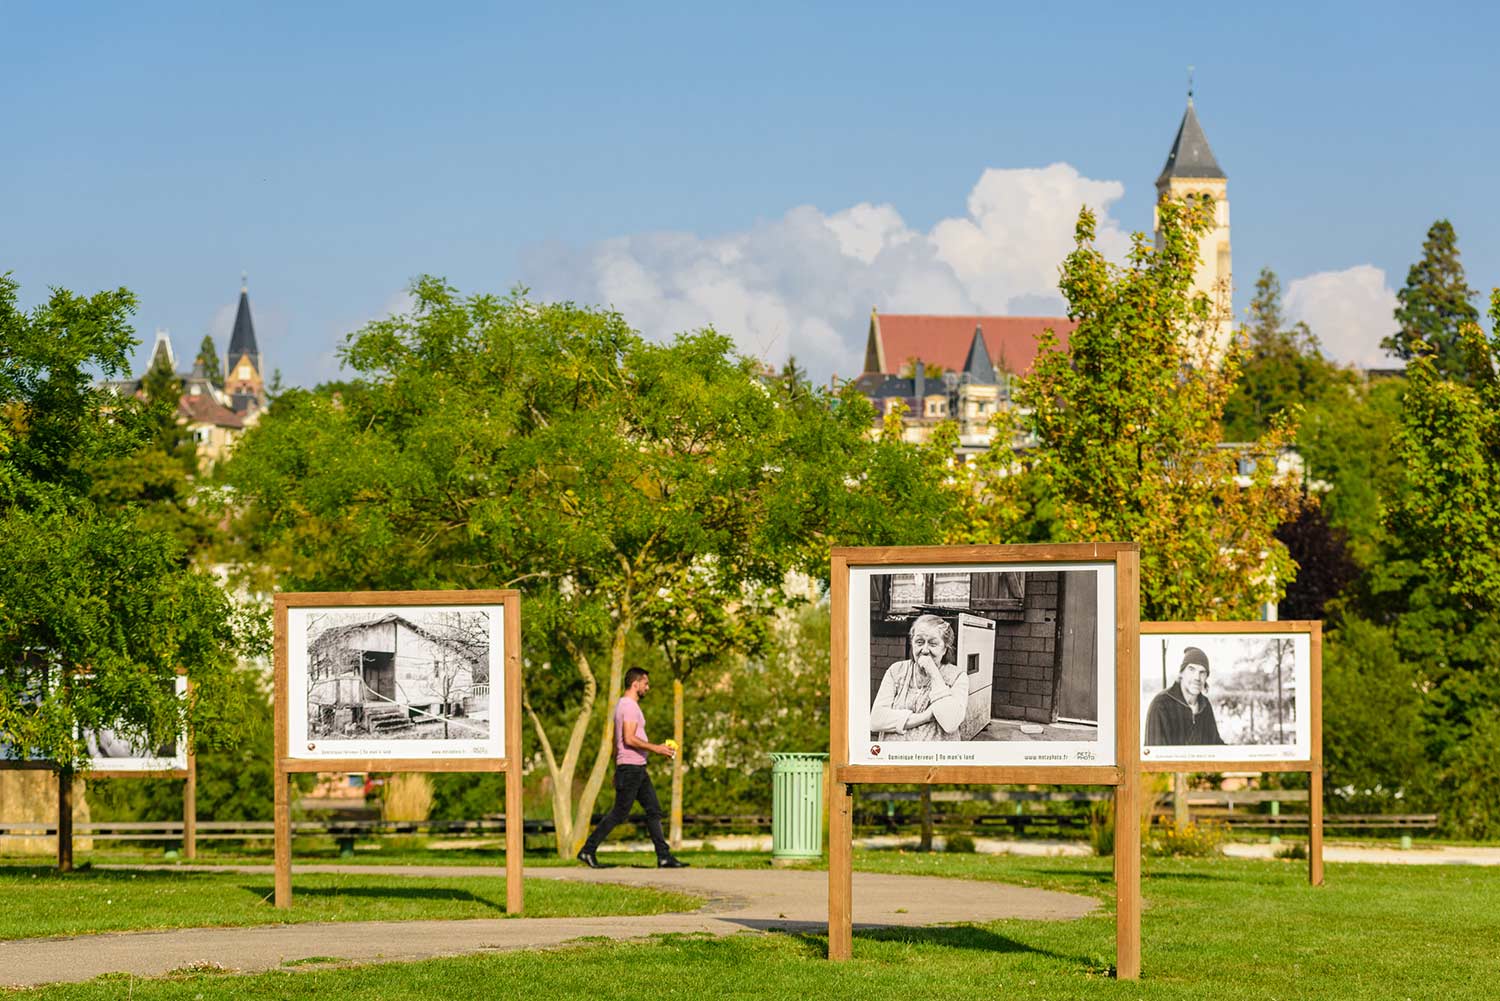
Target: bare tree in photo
[{"x": 401, "y": 673}]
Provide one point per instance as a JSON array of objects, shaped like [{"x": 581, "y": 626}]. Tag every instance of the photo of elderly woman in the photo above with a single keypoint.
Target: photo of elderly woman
[
  {"x": 926, "y": 696},
  {"x": 958, "y": 655}
]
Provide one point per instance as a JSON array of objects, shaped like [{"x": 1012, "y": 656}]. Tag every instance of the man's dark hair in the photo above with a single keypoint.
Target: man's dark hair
[{"x": 635, "y": 674}]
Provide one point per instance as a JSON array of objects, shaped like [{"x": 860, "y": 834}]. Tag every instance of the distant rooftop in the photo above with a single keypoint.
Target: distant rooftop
[{"x": 1191, "y": 156}]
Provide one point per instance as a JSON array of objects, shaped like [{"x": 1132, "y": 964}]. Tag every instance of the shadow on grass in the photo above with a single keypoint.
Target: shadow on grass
[
  {"x": 1189, "y": 877},
  {"x": 428, "y": 894},
  {"x": 969, "y": 938}
]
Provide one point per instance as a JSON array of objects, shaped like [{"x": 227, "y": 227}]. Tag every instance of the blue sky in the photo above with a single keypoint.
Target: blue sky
[{"x": 774, "y": 170}]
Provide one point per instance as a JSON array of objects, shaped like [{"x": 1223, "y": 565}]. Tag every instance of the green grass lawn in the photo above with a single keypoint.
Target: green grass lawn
[
  {"x": 1221, "y": 930},
  {"x": 42, "y": 902}
]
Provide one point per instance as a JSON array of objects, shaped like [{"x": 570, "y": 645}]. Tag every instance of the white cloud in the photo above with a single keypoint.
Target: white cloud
[
  {"x": 803, "y": 284},
  {"x": 1350, "y": 311}
]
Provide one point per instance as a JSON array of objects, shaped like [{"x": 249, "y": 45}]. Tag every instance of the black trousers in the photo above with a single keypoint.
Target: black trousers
[{"x": 632, "y": 785}]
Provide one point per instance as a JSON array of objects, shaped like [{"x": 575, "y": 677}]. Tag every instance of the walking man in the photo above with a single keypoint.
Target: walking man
[{"x": 632, "y": 784}]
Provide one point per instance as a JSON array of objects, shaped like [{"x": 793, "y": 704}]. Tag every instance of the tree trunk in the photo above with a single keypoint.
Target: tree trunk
[
  {"x": 674, "y": 834},
  {"x": 584, "y": 815},
  {"x": 926, "y": 844},
  {"x": 1180, "y": 816},
  {"x": 64, "y": 820}
]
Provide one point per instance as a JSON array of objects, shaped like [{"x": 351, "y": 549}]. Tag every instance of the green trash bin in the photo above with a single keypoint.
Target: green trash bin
[{"x": 796, "y": 806}]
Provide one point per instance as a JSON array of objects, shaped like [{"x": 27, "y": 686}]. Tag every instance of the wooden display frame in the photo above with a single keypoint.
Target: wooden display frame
[
  {"x": 1124, "y": 774},
  {"x": 65, "y": 796},
  {"x": 1313, "y": 764},
  {"x": 509, "y": 764}
]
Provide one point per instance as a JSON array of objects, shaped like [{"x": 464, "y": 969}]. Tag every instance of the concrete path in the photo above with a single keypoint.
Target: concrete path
[
  {"x": 1425, "y": 855},
  {"x": 737, "y": 900}
]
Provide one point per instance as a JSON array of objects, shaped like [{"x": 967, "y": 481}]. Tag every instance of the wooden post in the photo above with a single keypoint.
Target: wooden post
[
  {"x": 283, "y": 839},
  {"x": 841, "y": 803},
  {"x": 674, "y": 834},
  {"x": 1128, "y": 760},
  {"x": 1315, "y": 778},
  {"x": 841, "y": 872},
  {"x": 1180, "y": 814},
  {"x": 64, "y": 820},
  {"x": 926, "y": 819},
  {"x": 282, "y": 792},
  {"x": 190, "y": 809},
  {"x": 515, "y": 819}
]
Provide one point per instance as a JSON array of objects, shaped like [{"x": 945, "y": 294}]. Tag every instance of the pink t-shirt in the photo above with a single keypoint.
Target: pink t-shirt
[{"x": 628, "y": 709}]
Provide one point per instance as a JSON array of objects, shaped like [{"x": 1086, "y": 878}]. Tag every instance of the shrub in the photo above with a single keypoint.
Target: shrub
[
  {"x": 1293, "y": 850},
  {"x": 958, "y": 843},
  {"x": 407, "y": 796},
  {"x": 1193, "y": 840},
  {"x": 1102, "y": 827}
]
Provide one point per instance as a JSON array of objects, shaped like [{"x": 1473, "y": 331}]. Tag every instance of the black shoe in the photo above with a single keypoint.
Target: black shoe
[
  {"x": 587, "y": 858},
  {"x": 670, "y": 862}
]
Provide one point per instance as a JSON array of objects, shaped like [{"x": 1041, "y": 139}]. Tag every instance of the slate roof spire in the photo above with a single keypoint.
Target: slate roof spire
[
  {"x": 1191, "y": 156},
  {"x": 978, "y": 366},
  {"x": 242, "y": 340}
]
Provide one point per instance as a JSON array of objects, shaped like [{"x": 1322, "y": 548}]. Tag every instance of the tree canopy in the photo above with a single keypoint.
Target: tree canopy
[
  {"x": 494, "y": 441},
  {"x": 98, "y": 611},
  {"x": 1435, "y": 305},
  {"x": 1282, "y": 367},
  {"x": 1124, "y": 435}
]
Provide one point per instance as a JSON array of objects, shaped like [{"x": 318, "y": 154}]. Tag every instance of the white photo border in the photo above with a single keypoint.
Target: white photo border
[
  {"x": 1302, "y": 668},
  {"x": 922, "y": 755},
  {"x": 299, "y": 748}
]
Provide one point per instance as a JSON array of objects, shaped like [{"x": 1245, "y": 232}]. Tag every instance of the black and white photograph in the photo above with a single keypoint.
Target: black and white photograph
[
  {"x": 115, "y": 752},
  {"x": 403, "y": 681},
  {"x": 982, "y": 665},
  {"x": 1225, "y": 696}
]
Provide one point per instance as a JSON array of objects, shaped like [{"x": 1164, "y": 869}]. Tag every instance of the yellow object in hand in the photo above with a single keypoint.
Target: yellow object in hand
[{"x": 671, "y": 743}]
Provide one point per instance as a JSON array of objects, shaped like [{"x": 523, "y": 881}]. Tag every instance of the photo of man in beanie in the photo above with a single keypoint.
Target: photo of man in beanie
[{"x": 1181, "y": 715}]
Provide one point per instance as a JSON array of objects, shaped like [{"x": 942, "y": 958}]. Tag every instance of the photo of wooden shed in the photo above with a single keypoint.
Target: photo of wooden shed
[{"x": 398, "y": 674}]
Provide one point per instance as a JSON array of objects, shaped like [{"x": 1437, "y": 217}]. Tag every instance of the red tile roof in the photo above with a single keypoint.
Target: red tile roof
[
  {"x": 945, "y": 340},
  {"x": 202, "y": 409}
]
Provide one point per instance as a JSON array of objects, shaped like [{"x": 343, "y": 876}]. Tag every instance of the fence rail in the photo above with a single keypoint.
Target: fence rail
[{"x": 251, "y": 830}]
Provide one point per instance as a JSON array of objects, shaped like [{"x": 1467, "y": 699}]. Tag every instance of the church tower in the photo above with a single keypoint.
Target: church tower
[
  {"x": 1191, "y": 170},
  {"x": 242, "y": 379}
]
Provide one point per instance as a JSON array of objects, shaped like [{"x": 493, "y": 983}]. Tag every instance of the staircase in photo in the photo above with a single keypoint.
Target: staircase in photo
[{"x": 384, "y": 719}]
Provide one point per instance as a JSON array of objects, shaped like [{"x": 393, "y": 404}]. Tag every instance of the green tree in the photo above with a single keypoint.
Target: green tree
[
  {"x": 1127, "y": 431},
  {"x": 696, "y": 624},
  {"x": 779, "y": 693},
  {"x": 1283, "y": 367},
  {"x": 1373, "y": 746},
  {"x": 1435, "y": 305},
  {"x": 1438, "y": 586},
  {"x": 97, "y": 611},
  {"x": 235, "y": 782},
  {"x": 499, "y": 442},
  {"x": 208, "y": 360},
  {"x": 1346, "y": 442}
]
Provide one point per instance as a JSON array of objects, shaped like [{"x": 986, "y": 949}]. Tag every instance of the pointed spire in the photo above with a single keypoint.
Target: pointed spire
[
  {"x": 161, "y": 351},
  {"x": 242, "y": 340},
  {"x": 978, "y": 367},
  {"x": 1190, "y": 156}
]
